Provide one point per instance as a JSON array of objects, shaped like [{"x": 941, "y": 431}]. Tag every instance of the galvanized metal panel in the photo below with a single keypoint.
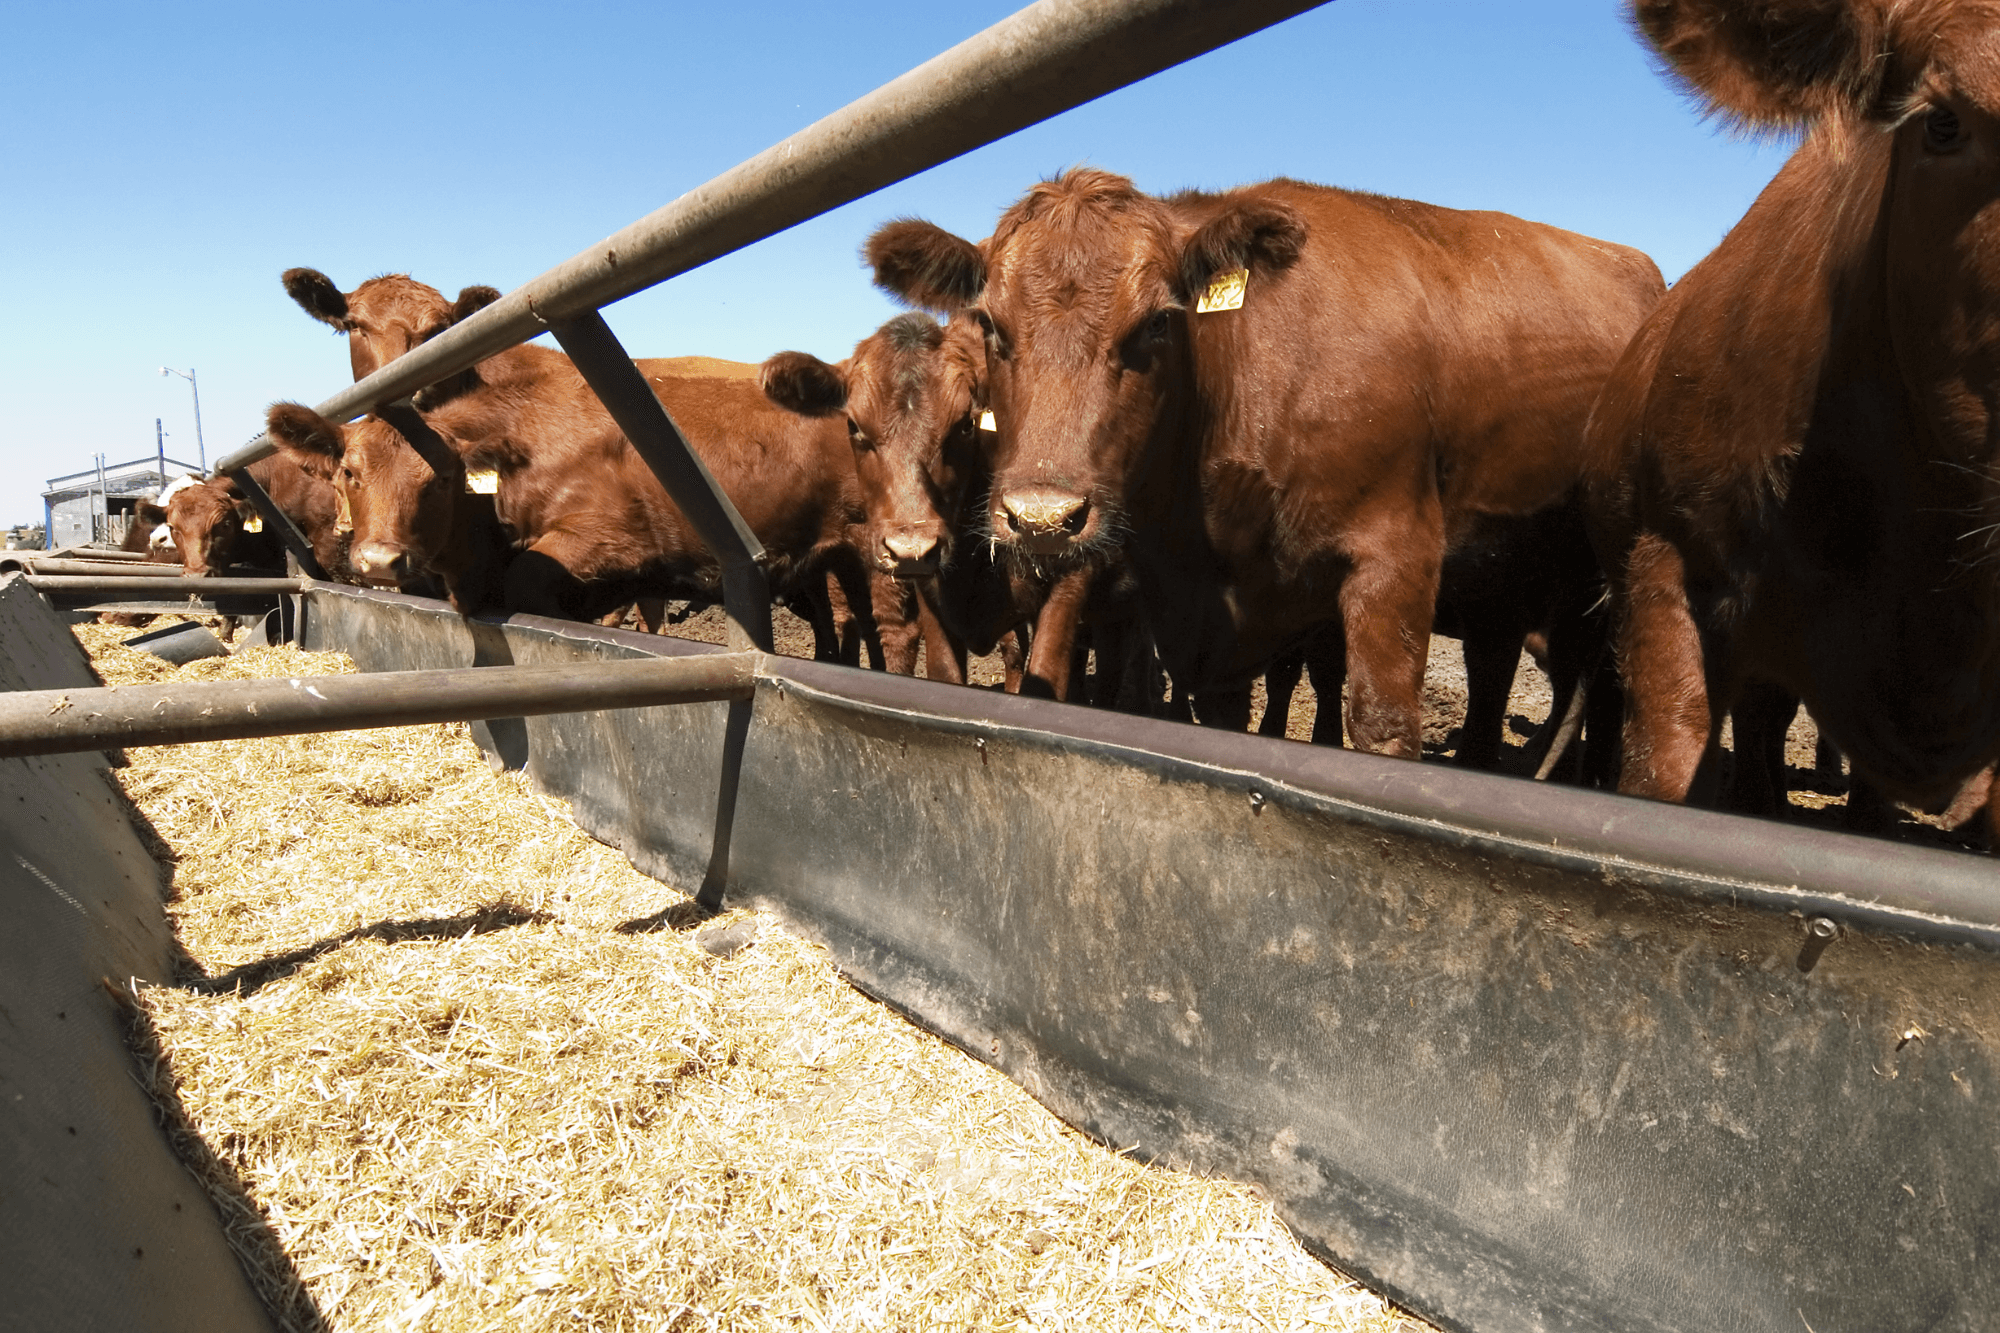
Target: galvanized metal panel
[
  {"x": 1527, "y": 1058},
  {"x": 100, "y": 1225}
]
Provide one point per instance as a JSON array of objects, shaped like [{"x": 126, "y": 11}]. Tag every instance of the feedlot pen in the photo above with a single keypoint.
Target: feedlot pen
[
  {"x": 1520, "y": 1057},
  {"x": 1523, "y": 1057}
]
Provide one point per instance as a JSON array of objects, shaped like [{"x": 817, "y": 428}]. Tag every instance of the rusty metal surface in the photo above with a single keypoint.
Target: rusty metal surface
[{"x": 1526, "y": 1058}]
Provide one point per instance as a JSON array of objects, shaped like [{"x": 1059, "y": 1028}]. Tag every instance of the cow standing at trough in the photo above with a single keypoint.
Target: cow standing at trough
[
  {"x": 408, "y": 511},
  {"x": 1795, "y": 484},
  {"x": 911, "y": 399},
  {"x": 1400, "y": 394},
  {"x": 592, "y": 525},
  {"x": 214, "y": 527}
]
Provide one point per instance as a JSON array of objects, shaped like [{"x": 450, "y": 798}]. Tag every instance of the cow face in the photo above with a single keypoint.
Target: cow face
[
  {"x": 1082, "y": 294},
  {"x": 1925, "y": 74},
  {"x": 911, "y": 397},
  {"x": 206, "y": 522},
  {"x": 398, "y": 505},
  {"x": 384, "y": 317}
]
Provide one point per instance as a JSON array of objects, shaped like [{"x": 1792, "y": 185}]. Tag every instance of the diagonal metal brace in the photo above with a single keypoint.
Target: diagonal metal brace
[
  {"x": 279, "y": 521},
  {"x": 746, "y": 592}
]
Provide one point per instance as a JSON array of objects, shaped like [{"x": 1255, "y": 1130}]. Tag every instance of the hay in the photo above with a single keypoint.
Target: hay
[{"x": 435, "y": 1087}]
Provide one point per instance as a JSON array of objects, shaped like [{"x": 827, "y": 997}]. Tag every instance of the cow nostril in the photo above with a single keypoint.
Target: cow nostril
[
  {"x": 910, "y": 548},
  {"x": 1046, "y": 513}
]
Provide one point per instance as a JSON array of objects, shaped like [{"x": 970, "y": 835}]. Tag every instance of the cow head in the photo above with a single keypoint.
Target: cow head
[
  {"x": 398, "y": 504},
  {"x": 912, "y": 397},
  {"x": 384, "y": 317},
  {"x": 1912, "y": 90},
  {"x": 206, "y": 522},
  {"x": 1082, "y": 294}
]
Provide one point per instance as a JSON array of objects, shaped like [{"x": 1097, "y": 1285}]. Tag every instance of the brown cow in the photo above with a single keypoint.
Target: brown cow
[
  {"x": 409, "y": 513},
  {"x": 1794, "y": 482},
  {"x": 1402, "y": 390},
  {"x": 911, "y": 404},
  {"x": 592, "y": 524},
  {"x": 214, "y": 527}
]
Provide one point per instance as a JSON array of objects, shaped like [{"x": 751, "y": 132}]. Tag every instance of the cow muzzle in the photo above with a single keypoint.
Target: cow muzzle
[
  {"x": 1042, "y": 521},
  {"x": 910, "y": 552},
  {"x": 378, "y": 562}
]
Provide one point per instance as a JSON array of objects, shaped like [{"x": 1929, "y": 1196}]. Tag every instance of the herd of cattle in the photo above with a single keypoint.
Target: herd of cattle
[{"x": 1290, "y": 427}]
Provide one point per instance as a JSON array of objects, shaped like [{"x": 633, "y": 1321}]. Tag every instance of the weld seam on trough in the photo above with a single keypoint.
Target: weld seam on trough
[
  {"x": 1701, "y": 885},
  {"x": 68, "y": 721}
]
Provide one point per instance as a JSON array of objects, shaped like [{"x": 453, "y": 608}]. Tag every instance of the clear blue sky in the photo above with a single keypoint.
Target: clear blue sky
[{"x": 163, "y": 164}]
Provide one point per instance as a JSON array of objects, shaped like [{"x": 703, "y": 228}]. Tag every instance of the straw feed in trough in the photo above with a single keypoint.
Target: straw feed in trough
[{"x": 446, "y": 1063}]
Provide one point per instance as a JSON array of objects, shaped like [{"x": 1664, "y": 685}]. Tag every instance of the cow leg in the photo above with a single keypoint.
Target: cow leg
[
  {"x": 652, "y": 614},
  {"x": 944, "y": 652},
  {"x": 1326, "y": 668},
  {"x": 1491, "y": 655},
  {"x": 1047, "y": 676},
  {"x": 1014, "y": 657},
  {"x": 1762, "y": 715},
  {"x": 1867, "y": 809},
  {"x": 1668, "y": 725},
  {"x": 1386, "y": 607},
  {"x": 1281, "y": 679},
  {"x": 851, "y": 590},
  {"x": 896, "y": 625},
  {"x": 1227, "y": 709}
]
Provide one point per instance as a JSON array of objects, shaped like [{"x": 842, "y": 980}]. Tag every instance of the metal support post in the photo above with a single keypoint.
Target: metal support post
[
  {"x": 279, "y": 521},
  {"x": 639, "y": 413}
]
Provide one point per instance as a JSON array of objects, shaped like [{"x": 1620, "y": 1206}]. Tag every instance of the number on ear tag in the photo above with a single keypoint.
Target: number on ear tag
[
  {"x": 486, "y": 481},
  {"x": 1225, "y": 292}
]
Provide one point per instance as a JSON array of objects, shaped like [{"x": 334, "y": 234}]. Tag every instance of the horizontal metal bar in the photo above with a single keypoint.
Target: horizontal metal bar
[
  {"x": 104, "y": 569},
  {"x": 65, "y": 721},
  {"x": 1040, "y": 62},
  {"x": 155, "y": 587}
]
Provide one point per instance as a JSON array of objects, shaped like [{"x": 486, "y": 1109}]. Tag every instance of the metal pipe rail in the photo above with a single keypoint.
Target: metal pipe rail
[
  {"x": 1046, "y": 59},
  {"x": 35, "y": 722},
  {"x": 102, "y": 569},
  {"x": 152, "y": 585}
]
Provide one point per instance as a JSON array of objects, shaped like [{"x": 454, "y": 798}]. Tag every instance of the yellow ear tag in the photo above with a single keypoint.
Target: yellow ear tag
[
  {"x": 486, "y": 481},
  {"x": 986, "y": 420},
  {"x": 254, "y": 523},
  {"x": 1225, "y": 292},
  {"x": 343, "y": 517}
]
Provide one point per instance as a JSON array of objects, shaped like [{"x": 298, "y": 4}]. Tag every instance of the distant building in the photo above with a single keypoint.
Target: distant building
[{"x": 95, "y": 507}]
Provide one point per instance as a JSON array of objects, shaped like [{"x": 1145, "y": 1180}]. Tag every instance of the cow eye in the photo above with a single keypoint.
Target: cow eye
[
  {"x": 858, "y": 437},
  {"x": 1942, "y": 131},
  {"x": 1156, "y": 327}
]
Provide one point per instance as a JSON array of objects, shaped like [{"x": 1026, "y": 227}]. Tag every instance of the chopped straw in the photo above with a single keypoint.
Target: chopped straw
[{"x": 433, "y": 1085}]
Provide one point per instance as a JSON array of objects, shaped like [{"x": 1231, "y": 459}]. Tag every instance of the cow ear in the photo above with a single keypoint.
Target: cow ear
[
  {"x": 924, "y": 265},
  {"x": 1776, "y": 64},
  {"x": 318, "y": 297},
  {"x": 148, "y": 514},
  {"x": 1253, "y": 234},
  {"x": 472, "y": 300},
  {"x": 799, "y": 382},
  {"x": 308, "y": 438}
]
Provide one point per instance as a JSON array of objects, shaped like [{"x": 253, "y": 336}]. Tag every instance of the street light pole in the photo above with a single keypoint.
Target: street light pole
[{"x": 201, "y": 449}]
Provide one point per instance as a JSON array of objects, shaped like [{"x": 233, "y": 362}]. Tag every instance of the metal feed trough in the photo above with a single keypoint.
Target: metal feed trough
[{"x": 1524, "y": 1057}]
